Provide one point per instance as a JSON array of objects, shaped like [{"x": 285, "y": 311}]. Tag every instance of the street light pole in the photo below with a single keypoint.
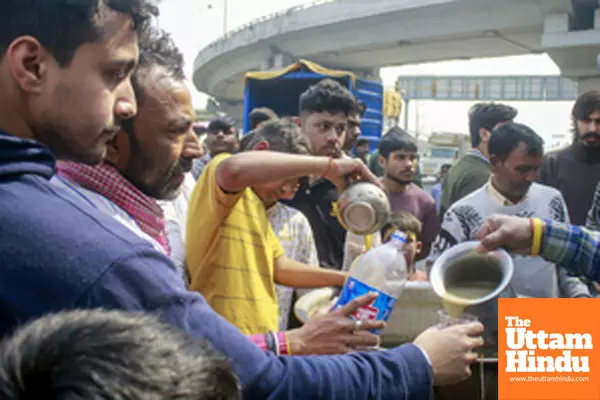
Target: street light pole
[
  {"x": 224, "y": 17},
  {"x": 406, "y": 115}
]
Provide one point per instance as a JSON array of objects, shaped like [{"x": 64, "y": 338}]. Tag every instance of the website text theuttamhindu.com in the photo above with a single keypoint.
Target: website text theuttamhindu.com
[{"x": 549, "y": 379}]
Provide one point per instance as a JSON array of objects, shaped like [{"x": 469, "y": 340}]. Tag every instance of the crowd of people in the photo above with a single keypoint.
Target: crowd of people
[{"x": 140, "y": 261}]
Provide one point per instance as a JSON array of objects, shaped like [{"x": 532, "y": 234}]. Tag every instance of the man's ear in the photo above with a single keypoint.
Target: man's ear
[
  {"x": 381, "y": 160},
  {"x": 485, "y": 135},
  {"x": 118, "y": 151},
  {"x": 29, "y": 63},
  {"x": 262, "y": 145}
]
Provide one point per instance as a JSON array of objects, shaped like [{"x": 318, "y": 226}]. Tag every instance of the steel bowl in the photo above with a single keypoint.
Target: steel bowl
[
  {"x": 363, "y": 208},
  {"x": 446, "y": 271}
]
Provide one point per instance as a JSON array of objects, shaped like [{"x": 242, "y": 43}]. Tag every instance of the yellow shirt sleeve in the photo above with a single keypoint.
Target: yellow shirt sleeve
[
  {"x": 209, "y": 206},
  {"x": 208, "y": 195}
]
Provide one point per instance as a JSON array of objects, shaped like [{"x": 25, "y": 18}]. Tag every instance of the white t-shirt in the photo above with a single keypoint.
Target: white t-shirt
[
  {"x": 533, "y": 277},
  {"x": 296, "y": 237},
  {"x": 176, "y": 212}
]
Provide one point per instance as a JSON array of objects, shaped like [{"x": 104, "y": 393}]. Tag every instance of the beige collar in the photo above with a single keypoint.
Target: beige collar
[{"x": 499, "y": 197}]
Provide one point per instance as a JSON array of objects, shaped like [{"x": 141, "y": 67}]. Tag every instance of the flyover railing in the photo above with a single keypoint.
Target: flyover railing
[{"x": 286, "y": 12}]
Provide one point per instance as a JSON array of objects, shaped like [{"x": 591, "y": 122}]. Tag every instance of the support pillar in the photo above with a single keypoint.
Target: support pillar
[{"x": 588, "y": 83}]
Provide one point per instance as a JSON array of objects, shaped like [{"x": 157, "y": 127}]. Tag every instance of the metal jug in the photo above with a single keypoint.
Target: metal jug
[
  {"x": 448, "y": 270},
  {"x": 363, "y": 208}
]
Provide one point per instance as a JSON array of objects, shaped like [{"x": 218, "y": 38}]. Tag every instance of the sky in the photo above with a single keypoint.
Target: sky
[{"x": 193, "y": 24}]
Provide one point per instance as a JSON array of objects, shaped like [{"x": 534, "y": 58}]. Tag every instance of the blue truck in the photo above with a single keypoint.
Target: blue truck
[{"x": 280, "y": 91}]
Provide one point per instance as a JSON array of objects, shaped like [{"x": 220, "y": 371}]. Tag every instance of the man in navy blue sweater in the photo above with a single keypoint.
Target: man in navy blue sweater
[{"x": 64, "y": 84}]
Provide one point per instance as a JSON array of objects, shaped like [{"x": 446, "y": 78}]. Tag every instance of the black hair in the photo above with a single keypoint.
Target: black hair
[
  {"x": 585, "y": 105},
  {"x": 259, "y": 115},
  {"x": 284, "y": 136},
  {"x": 361, "y": 142},
  {"x": 445, "y": 166},
  {"x": 106, "y": 355},
  {"x": 361, "y": 108},
  {"x": 507, "y": 137},
  {"x": 157, "y": 49},
  {"x": 246, "y": 140},
  {"x": 403, "y": 221},
  {"x": 487, "y": 116},
  {"x": 328, "y": 96},
  {"x": 396, "y": 139},
  {"x": 63, "y": 26},
  {"x": 291, "y": 118},
  {"x": 221, "y": 124}
]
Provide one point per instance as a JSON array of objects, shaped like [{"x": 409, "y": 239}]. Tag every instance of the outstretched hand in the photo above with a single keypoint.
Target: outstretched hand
[{"x": 512, "y": 233}]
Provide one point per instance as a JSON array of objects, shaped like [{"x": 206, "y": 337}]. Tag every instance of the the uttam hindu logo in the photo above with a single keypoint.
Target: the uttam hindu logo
[
  {"x": 525, "y": 343},
  {"x": 547, "y": 349}
]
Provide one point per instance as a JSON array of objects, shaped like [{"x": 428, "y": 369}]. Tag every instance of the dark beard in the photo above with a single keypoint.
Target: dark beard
[
  {"x": 139, "y": 163},
  {"x": 400, "y": 181},
  {"x": 590, "y": 135},
  {"x": 161, "y": 189}
]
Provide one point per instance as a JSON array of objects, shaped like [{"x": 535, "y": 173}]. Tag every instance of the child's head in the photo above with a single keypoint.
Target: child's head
[
  {"x": 259, "y": 116},
  {"x": 409, "y": 224},
  {"x": 281, "y": 136}
]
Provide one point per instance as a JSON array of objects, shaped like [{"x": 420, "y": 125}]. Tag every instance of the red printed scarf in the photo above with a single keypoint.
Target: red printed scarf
[{"x": 107, "y": 181}]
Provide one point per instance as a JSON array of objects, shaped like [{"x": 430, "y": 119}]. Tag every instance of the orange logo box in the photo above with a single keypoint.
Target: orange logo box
[{"x": 549, "y": 349}]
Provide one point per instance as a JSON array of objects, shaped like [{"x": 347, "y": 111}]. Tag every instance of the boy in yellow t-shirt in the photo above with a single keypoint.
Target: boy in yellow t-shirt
[{"x": 233, "y": 256}]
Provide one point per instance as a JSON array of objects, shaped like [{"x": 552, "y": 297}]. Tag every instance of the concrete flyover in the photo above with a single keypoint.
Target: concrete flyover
[{"x": 364, "y": 36}]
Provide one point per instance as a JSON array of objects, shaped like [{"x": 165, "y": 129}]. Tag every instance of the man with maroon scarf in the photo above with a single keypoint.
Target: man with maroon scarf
[
  {"x": 147, "y": 161},
  {"x": 65, "y": 81}
]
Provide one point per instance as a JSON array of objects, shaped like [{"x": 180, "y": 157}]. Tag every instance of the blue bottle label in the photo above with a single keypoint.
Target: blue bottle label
[{"x": 378, "y": 310}]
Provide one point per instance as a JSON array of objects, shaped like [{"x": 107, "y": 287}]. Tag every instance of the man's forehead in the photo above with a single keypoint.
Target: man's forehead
[
  {"x": 328, "y": 117},
  {"x": 118, "y": 46},
  {"x": 166, "y": 96},
  {"x": 523, "y": 155},
  {"x": 119, "y": 37},
  {"x": 594, "y": 115},
  {"x": 404, "y": 152}
]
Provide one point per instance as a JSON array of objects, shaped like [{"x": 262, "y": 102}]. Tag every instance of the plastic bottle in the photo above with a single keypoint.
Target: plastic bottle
[
  {"x": 382, "y": 270},
  {"x": 356, "y": 245}
]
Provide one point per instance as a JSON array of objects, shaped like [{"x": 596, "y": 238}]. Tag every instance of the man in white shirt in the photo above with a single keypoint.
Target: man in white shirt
[{"x": 515, "y": 155}]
